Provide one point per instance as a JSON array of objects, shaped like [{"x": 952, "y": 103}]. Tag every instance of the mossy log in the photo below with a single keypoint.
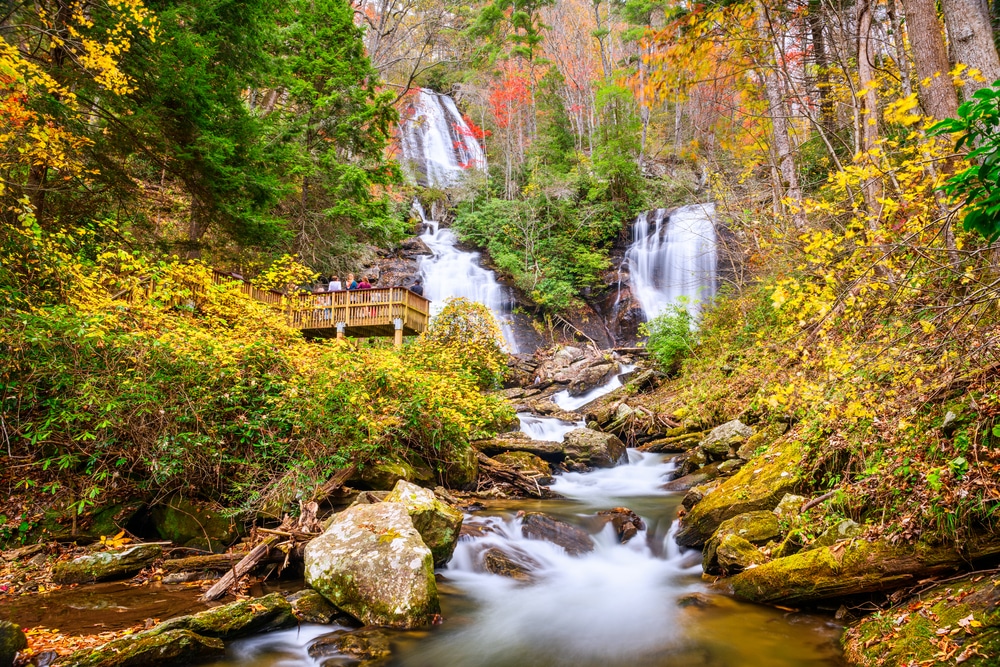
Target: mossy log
[{"x": 845, "y": 569}]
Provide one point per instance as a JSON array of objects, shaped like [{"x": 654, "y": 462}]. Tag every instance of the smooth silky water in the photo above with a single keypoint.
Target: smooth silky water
[{"x": 634, "y": 605}]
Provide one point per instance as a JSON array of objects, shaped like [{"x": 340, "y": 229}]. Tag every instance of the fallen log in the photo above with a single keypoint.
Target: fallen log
[
  {"x": 499, "y": 474},
  {"x": 247, "y": 563},
  {"x": 213, "y": 563}
]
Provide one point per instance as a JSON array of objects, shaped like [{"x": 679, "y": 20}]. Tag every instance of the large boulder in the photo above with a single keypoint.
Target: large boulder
[
  {"x": 372, "y": 563},
  {"x": 195, "y": 524},
  {"x": 538, "y": 526},
  {"x": 239, "y": 619},
  {"x": 594, "y": 449},
  {"x": 106, "y": 565},
  {"x": 437, "y": 522},
  {"x": 367, "y": 647},
  {"x": 723, "y": 439},
  {"x": 12, "y": 641},
  {"x": 757, "y": 486},
  {"x": 960, "y": 618},
  {"x": 591, "y": 375},
  {"x": 177, "y": 647},
  {"x": 735, "y": 554},
  {"x": 756, "y": 528}
]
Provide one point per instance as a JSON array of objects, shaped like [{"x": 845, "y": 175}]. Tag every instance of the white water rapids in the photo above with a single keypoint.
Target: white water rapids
[{"x": 672, "y": 259}]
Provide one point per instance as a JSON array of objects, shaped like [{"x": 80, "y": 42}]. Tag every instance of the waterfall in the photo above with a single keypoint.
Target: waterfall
[
  {"x": 451, "y": 272},
  {"x": 438, "y": 145},
  {"x": 673, "y": 258}
]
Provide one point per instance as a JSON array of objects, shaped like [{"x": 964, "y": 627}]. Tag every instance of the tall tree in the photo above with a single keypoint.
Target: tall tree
[
  {"x": 970, "y": 37},
  {"x": 935, "y": 89}
]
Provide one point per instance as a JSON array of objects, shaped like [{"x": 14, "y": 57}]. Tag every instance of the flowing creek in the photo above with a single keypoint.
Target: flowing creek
[{"x": 637, "y": 604}]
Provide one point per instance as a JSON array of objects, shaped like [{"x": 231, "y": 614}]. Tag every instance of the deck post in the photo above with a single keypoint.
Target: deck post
[
  {"x": 398, "y": 340},
  {"x": 340, "y": 330}
]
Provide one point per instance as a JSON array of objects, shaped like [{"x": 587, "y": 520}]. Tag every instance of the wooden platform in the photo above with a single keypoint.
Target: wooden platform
[{"x": 386, "y": 311}]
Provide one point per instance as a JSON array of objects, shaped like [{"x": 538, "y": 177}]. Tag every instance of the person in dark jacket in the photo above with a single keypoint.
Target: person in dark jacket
[{"x": 417, "y": 287}]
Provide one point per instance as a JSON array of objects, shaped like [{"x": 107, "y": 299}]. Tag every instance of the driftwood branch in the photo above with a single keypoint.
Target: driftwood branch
[
  {"x": 248, "y": 562},
  {"x": 498, "y": 473},
  {"x": 816, "y": 501}
]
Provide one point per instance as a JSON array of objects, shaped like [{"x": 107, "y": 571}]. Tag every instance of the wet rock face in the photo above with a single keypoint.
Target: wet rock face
[
  {"x": 372, "y": 563},
  {"x": 438, "y": 523},
  {"x": 498, "y": 562},
  {"x": 177, "y": 647},
  {"x": 581, "y": 369},
  {"x": 367, "y": 647},
  {"x": 308, "y": 606},
  {"x": 722, "y": 442},
  {"x": 12, "y": 640},
  {"x": 626, "y": 523},
  {"x": 754, "y": 528},
  {"x": 239, "y": 619},
  {"x": 594, "y": 449},
  {"x": 106, "y": 565},
  {"x": 538, "y": 526}
]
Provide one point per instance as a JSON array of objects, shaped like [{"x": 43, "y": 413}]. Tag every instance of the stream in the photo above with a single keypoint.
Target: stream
[{"x": 637, "y": 604}]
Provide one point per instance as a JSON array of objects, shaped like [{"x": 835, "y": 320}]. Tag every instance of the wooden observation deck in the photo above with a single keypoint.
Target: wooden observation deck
[{"x": 384, "y": 311}]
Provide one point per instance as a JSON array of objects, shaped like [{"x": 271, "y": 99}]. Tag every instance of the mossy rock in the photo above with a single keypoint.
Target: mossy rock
[
  {"x": 526, "y": 462},
  {"x": 12, "y": 641},
  {"x": 382, "y": 476},
  {"x": 762, "y": 438},
  {"x": 462, "y": 470},
  {"x": 239, "y": 619},
  {"x": 367, "y": 647},
  {"x": 196, "y": 524},
  {"x": 179, "y": 647},
  {"x": 311, "y": 607},
  {"x": 106, "y": 565},
  {"x": 735, "y": 554},
  {"x": 909, "y": 633},
  {"x": 758, "y": 486},
  {"x": 845, "y": 569},
  {"x": 724, "y": 438},
  {"x": 437, "y": 522},
  {"x": 756, "y": 528}
]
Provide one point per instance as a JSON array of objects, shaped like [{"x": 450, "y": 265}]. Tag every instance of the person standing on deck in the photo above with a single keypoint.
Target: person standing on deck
[
  {"x": 335, "y": 285},
  {"x": 352, "y": 284},
  {"x": 417, "y": 287}
]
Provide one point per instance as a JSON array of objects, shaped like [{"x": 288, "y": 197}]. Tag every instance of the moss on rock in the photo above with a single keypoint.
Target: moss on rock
[
  {"x": 239, "y": 619},
  {"x": 195, "y": 524},
  {"x": 178, "y": 647},
  {"x": 735, "y": 554},
  {"x": 12, "y": 641},
  {"x": 756, "y": 528},
  {"x": 437, "y": 522},
  {"x": 106, "y": 564},
  {"x": 758, "y": 486},
  {"x": 525, "y": 462}
]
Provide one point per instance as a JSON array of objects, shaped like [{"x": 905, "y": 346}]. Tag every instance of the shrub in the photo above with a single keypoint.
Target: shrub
[{"x": 671, "y": 336}]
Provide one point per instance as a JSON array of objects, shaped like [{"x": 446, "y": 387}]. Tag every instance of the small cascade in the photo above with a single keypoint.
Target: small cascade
[
  {"x": 673, "y": 258},
  {"x": 573, "y": 403},
  {"x": 451, "y": 272},
  {"x": 438, "y": 144},
  {"x": 548, "y": 429}
]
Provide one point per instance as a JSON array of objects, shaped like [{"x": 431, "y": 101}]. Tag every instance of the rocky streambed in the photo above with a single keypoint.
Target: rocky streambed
[{"x": 571, "y": 553}]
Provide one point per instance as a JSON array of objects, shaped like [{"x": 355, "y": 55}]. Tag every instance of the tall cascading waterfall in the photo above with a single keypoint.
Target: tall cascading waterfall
[
  {"x": 451, "y": 272},
  {"x": 673, "y": 258},
  {"x": 438, "y": 144}
]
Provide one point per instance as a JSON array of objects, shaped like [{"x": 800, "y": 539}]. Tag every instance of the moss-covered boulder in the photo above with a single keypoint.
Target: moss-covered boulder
[
  {"x": 528, "y": 464},
  {"x": 178, "y": 647},
  {"x": 372, "y": 563},
  {"x": 593, "y": 448},
  {"x": 843, "y": 530},
  {"x": 722, "y": 442},
  {"x": 734, "y": 554},
  {"x": 368, "y": 647},
  {"x": 789, "y": 507},
  {"x": 757, "y": 486},
  {"x": 462, "y": 470},
  {"x": 437, "y": 522},
  {"x": 383, "y": 475},
  {"x": 195, "y": 524},
  {"x": 757, "y": 528},
  {"x": 311, "y": 607},
  {"x": 845, "y": 569},
  {"x": 761, "y": 440},
  {"x": 239, "y": 619},
  {"x": 697, "y": 493},
  {"x": 106, "y": 565},
  {"x": 12, "y": 641},
  {"x": 960, "y": 619}
]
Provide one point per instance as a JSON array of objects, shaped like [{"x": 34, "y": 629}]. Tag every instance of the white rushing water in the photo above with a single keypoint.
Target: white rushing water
[
  {"x": 437, "y": 143},
  {"x": 548, "y": 429},
  {"x": 573, "y": 403},
  {"x": 673, "y": 259},
  {"x": 451, "y": 272}
]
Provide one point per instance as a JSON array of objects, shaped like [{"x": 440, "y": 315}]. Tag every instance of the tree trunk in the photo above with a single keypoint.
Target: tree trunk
[
  {"x": 778, "y": 113},
  {"x": 822, "y": 62},
  {"x": 868, "y": 108},
  {"x": 902, "y": 61},
  {"x": 970, "y": 36},
  {"x": 938, "y": 99},
  {"x": 197, "y": 226}
]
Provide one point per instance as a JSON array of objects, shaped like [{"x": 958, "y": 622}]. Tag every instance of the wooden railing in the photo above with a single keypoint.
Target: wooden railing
[{"x": 376, "y": 307}]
